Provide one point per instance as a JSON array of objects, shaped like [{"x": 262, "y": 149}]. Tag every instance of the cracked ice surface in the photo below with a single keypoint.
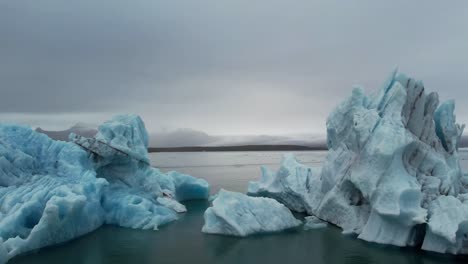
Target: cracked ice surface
[
  {"x": 392, "y": 174},
  {"x": 54, "y": 191}
]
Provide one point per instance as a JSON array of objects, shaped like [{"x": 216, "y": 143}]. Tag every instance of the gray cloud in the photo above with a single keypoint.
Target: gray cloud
[{"x": 225, "y": 67}]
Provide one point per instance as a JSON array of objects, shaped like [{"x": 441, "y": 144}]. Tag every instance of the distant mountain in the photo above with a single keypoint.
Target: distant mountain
[
  {"x": 194, "y": 140},
  {"x": 300, "y": 140},
  {"x": 181, "y": 138},
  {"x": 237, "y": 148},
  {"x": 189, "y": 138},
  {"x": 79, "y": 129}
]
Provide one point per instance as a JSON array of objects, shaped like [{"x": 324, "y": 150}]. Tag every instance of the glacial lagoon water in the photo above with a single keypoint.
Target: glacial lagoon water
[{"x": 183, "y": 242}]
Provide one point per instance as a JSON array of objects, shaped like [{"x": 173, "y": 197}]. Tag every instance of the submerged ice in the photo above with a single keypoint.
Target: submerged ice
[
  {"x": 237, "y": 214},
  {"x": 54, "y": 191},
  {"x": 312, "y": 222},
  {"x": 392, "y": 174}
]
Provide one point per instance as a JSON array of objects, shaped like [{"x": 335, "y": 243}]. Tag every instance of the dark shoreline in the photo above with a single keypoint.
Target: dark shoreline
[{"x": 239, "y": 148}]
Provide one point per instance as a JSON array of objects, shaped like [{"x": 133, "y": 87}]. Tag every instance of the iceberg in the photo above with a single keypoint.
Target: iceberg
[
  {"x": 49, "y": 192},
  {"x": 290, "y": 185},
  {"x": 237, "y": 214},
  {"x": 392, "y": 174},
  {"x": 54, "y": 191}
]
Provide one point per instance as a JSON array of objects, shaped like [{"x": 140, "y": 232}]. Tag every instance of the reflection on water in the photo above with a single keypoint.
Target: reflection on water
[
  {"x": 227, "y": 159},
  {"x": 183, "y": 242}
]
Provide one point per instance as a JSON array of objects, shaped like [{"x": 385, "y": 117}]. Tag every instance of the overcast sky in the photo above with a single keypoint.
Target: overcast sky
[{"x": 220, "y": 66}]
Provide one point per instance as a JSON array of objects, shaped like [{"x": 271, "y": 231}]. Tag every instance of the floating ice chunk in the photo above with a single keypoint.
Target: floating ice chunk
[
  {"x": 392, "y": 157},
  {"x": 188, "y": 187},
  {"x": 312, "y": 222},
  {"x": 135, "y": 197},
  {"x": 48, "y": 191},
  {"x": 290, "y": 185},
  {"x": 53, "y": 191},
  {"x": 237, "y": 214}
]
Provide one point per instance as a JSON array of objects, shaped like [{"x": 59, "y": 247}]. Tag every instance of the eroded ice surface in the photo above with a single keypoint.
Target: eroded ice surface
[
  {"x": 53, "y": 191},
  {"x": 392, "y": 174},
  {"x": 49, "y": 192},
  {"x": 290, "y": 185},
  {"x": 237, "y": 214}
]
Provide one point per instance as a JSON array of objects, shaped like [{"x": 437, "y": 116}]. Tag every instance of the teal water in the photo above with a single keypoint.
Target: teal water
[{"x": 183, "y": 242}]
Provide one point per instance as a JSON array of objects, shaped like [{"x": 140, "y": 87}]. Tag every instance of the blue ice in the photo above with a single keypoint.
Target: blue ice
[
  {"x": 392, "y": 174},
  {"x": 53, "y": 191},
  {"x": 237, "y": 214}
]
